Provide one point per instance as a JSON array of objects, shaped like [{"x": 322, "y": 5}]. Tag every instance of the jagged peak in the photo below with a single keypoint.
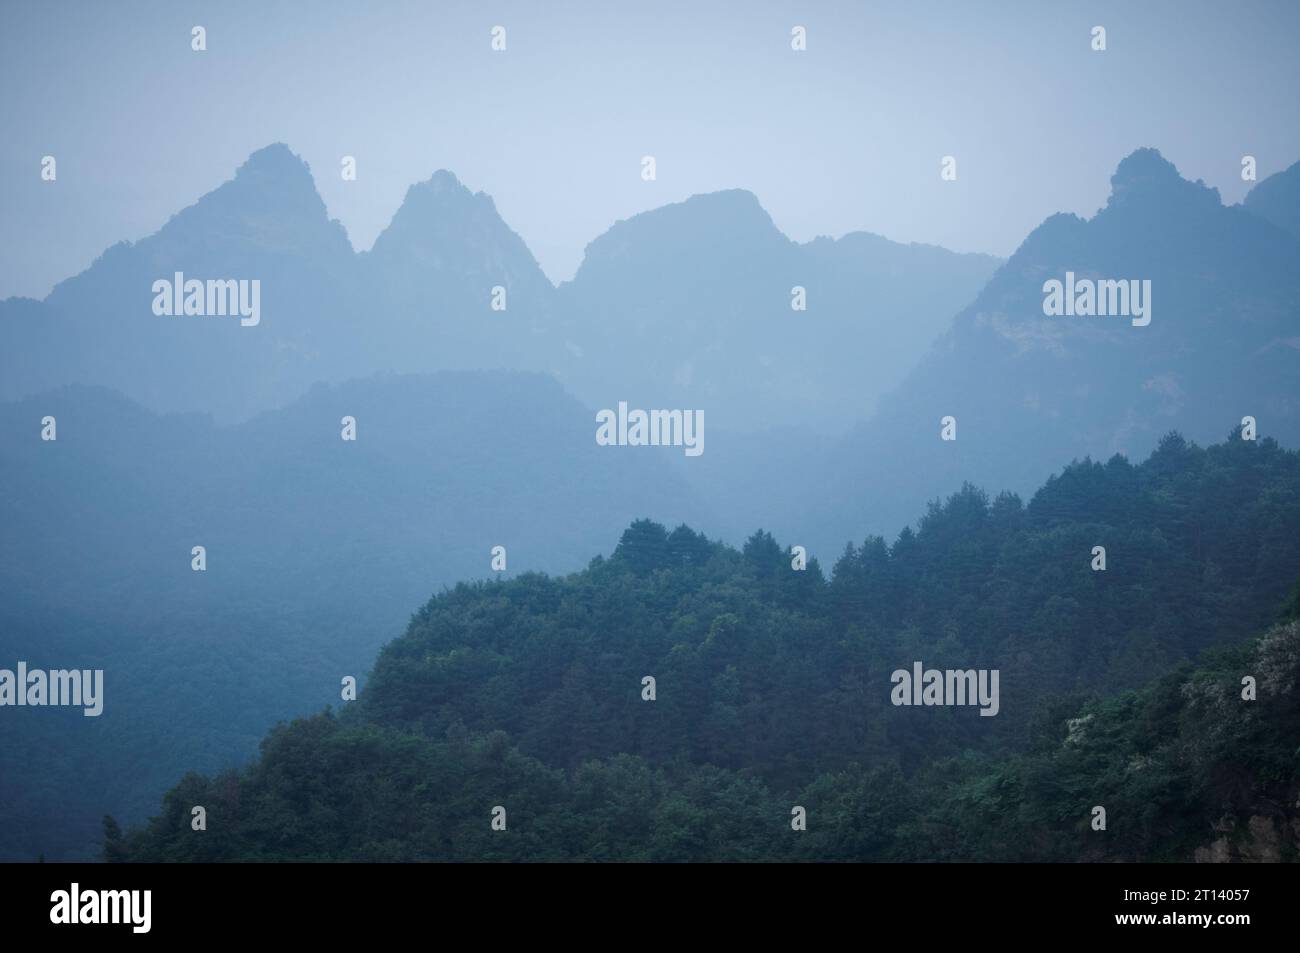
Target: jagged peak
[
  {"x": 275, "y": 161},
  {"x": 1145, "y": 164},
  {"x": 740, "y": 202},
  {"x": 439, "y": 193},
  {"x": 274, "y": 184},
  {"x": 1145, "y": 173},
  {"x": 443, "y": 180},
  {"x": 276, "y": 176},
  {"x": 699, "y": 218},
  {"x": 441, "y": 220}
]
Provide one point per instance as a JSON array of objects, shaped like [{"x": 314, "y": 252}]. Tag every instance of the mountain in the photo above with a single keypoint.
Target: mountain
[
  {"x": 774, "y": 687},
  {"x": 1277, "y": 199},
  {"x": 433, "y": 272},
  {"x": 179, "y": 430},
  {"x": 693, "y": 302},
  {"x": 688, "y": 305},
  {"x": 1028, "y": 390},
  {"x": 317, "y": 546},
  {"x": 419, "y": 301},
  {"x": 266, "y": 224},
  {"x": 316, "y": 549}
]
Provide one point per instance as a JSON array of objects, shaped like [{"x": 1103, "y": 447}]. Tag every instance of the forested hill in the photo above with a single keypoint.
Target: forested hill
[
  {"x": 1185, "y": 769},
  {"x": 773, "y": 689}
]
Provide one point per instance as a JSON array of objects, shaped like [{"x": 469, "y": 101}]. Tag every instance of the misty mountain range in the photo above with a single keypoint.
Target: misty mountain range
[
  {"x": 1031, "y": 392},
  {"x": 687, "y": 305},
  {"x": 475, "y": 427}
]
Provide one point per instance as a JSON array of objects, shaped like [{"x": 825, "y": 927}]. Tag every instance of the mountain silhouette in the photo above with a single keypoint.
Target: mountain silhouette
[
  {"x": 1277, "y": 199},
  {"x": 701, "y": 292},
  {"x": 432, "y": 272},
  {"x": 268, "y": 224},
  {"x": 1029, "y": 390},
  {"x": 686, "y": 304}
]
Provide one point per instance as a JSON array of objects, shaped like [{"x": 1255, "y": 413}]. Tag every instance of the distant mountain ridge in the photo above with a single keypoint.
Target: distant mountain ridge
[
  {"x": 705, "y": 291},
  {"x": 448, "y": 285},
  {"x": 1028, "y": 391},
  {"x": 1277, "y": 199}
]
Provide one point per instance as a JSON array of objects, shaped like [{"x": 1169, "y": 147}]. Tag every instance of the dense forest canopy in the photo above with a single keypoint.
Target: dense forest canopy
[{"x": 771, "y": 692}]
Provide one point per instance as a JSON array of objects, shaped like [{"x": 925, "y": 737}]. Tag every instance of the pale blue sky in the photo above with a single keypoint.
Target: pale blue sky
[{"x": 845, "y": 136}]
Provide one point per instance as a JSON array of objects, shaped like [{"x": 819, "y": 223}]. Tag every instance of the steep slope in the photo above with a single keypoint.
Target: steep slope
[
  {"x": 1277, "y": 199},
  {"x": 435, "y": 268},
  {"x": 419, "y": 301},
  {"x": 266, "y": 224},
  {"x": 1028, "y": 389}
]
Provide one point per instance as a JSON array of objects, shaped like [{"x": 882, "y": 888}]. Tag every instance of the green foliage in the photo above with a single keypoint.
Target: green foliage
[
  {"x": 1186, "y": 769},
  {"x": 773, "y": 691}
]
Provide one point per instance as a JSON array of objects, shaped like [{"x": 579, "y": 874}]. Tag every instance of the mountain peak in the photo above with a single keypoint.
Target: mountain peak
[
  {"x": 275, "y": 164},
  {"x": 728, "y": 198},
  {"x": 277, "y": 153},
  {"x": 1146, "y": 174},
  {"x": 728, "y": 208},
  {"x": 272, "y": 180},
  {"x": 730, "y": 218},
  {"x": 441, "y": 225},
  {"x": 1277, "y": 199},
  {"x": 739, "y": 205},
  {"x": 442, "y": 181},
  {"x": 270, "y": 207},
  {"x": 440, "y": 196},
  {"x": 1145, "y": 164},
  {"x": 271, "y": 202}
]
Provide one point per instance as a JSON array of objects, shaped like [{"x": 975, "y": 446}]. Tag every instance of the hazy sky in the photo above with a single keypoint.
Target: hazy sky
[{"x": 845, "y": 136}]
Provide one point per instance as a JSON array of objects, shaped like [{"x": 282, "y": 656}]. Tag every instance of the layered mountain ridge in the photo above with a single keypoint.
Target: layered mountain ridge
[
  {"x": 316, "y": 549},
  {"x": 181, "y": 430},
  {"x": 448, "y": 285},
  {"x": 1028, "y": 390}
]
